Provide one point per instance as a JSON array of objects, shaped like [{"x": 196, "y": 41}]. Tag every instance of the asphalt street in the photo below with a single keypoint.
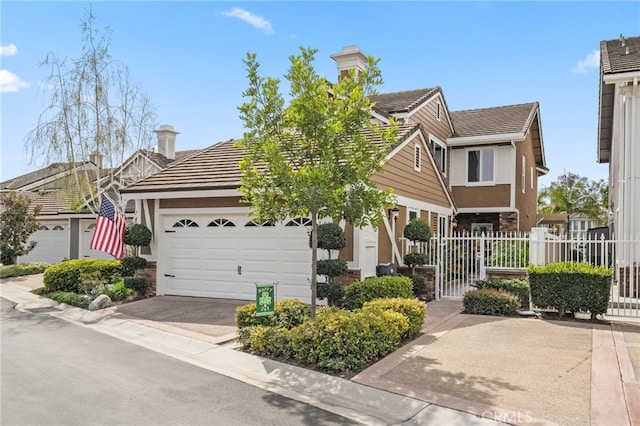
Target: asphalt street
[{"x": 58, "y": 373}]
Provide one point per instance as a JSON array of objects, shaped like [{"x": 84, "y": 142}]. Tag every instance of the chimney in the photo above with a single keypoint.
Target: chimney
[
  {"x": 96, "y": 159},
  {"x": 350, "y": 57},
  {"x": 166, "y": 141}
]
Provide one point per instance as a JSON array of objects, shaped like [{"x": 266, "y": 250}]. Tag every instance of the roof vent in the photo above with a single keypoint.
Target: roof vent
[
  {"x": 621, "y": 40},
  {"x": 626, "y": 51}
]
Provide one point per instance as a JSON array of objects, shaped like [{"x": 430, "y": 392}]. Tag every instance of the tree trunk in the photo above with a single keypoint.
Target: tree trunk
[{"x": 314, "y": 262}]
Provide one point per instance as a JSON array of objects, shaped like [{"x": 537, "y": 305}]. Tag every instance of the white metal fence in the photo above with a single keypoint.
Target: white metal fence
[{"x": 461, "y": 259}]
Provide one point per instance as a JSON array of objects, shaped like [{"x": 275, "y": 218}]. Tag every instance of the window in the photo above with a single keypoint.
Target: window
[
  {"x": 58, "y": 228},
  {"x": 480, "y": 165},
  {"x": 416, "y": 158},
  {"x": 438, "y": 111},
  {"x": 253, "y": 223},
  {"x": 185, "y": 223},
  {"x": 524, "y": 167},
  {"x": 43, "y": 228},
  {"x": 299, "y": 221},
  {"x": 221, "y": 222},
  {"x": 482, "y": 228},
  {"x": 439, "y": 155},
  {"x": 413, "y": 214},
  {"x": 531, "y": 173}
]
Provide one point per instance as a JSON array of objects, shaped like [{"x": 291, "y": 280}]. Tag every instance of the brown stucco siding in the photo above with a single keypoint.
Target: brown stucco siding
[
  {"x": 346, "y": 253},
  {"x": 182, "y": 203},
  {"x": 526, "y": 202},
  {"x": 400, "y": 175},
  {"x": 482, "y": 196}
]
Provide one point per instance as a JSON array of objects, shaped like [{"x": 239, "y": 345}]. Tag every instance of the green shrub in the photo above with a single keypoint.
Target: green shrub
[
  {"x": 333, "y": 292},
  {"x": 65, "y": 276},
  {"x": 332, "y": 267},
  {"x": 415, "y": 259},
  {"x": 130, "y": 264},
  {"x": 417, "y": 230},
  {"x": 419, "y": 285},
  {"x": 288, "y": 313},
  {"x": 330, "y": 237},
  {"x": 518, "y": 287},
  {"x": 489, "y": 301},
  {"x": 40, "y": 291},
  {"x": 509, "y": 254},
  {"x": 92, "y": 283},
  {"x": 412, "y": 309},
  {"x": 117, "y": 292},
  {"x": 21, "y": 269},
  {"x": 273, "y": 342},
  {"x": 137, "y": 235},
  {"x": 360, "y": 292},
  {"x": 138, "y": 284},
  {"x": 571, "y": 287},
  {"x": 343, "y": 341},
  {"x": 70, "y": 298}
]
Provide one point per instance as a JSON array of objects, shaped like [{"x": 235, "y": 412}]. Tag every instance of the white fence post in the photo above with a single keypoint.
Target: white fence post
[{"x": 537, "y": 245}]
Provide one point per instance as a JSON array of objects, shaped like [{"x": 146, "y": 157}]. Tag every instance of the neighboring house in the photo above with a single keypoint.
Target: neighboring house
[
  {"x": 497, "y": 156},
  {"x": 66, "y": 229},
  {"x": 557, "y": 223},
  {"x": 206, "y": 244},
  {"x": 619, "y": 132}
]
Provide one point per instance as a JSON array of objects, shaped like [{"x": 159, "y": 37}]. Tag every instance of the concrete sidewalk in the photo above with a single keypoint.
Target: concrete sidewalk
[{"x": 359, "y": 402}]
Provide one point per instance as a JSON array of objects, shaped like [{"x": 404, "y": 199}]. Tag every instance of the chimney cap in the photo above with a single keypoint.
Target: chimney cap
[
  {"x": 167, "y": 128},
  {"x": 349, "y": 52}
]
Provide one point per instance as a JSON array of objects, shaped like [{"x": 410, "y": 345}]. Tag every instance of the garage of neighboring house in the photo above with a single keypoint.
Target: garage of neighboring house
[
  {"x": 52, "y": 243},
  {"x": 225, "y": 255}
]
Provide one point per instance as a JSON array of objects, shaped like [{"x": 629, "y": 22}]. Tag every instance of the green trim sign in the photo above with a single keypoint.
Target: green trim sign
[{"x": 265, "y": 299}]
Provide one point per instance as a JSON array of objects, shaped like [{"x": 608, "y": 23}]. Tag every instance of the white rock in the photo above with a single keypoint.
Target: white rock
[{"x": 100, "y": 302}]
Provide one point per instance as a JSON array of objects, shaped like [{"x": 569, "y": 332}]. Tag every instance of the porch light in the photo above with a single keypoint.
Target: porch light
[{"x": 394, "y": 213}]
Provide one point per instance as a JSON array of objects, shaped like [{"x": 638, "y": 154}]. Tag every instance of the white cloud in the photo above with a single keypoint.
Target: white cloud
[
  {"x": 251, "y": 19},
  {"x": 8, "y": 50},
  {"x": 9, "y": 82},
  {"x": 591, "y": 61}
]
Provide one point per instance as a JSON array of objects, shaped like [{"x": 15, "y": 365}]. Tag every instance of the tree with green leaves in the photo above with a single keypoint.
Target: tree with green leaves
[
  {"x": 17, "y": 223},
  {"x": 314, "y": 157},
  {"x": 94, "y": 108},
  {"x": 572, "y": 194}
]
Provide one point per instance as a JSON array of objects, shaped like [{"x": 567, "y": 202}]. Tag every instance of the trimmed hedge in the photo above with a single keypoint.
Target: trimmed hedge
[
  {"x": 415, "y": 259},
  {"x": 268, "y": 341},
  {"x": 360, "y": 292},
  {"x": 21, "y": 269},
  {"x": 288, "y": 313},
  {"x": 343, "y": 341},
  {"x": 489, "y": 301},
  {"x": 520, "y": 288},
  {"x": 412, "y": 309},
  {"x": 65, "y": 276},
  {"x": 571, "y": 287},
  {"x": 333, "y": 292},
  {"x": 130, "y": 264},
  {"x": 139, "y": 284}
]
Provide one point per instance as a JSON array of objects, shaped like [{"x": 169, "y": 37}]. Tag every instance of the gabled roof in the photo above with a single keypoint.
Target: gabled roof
[
  {"x": 615, "y": 62},
  {"x": 494, "y": 121},
  {"x": 402, "y": 101},
  {"x": 215, "y": 167},
  {"x": 614, "y": 57}
]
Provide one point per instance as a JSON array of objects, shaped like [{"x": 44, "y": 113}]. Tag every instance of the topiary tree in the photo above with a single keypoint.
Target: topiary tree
[
  {"x": 331, "y": 237},
  {"x": 136, "y": 235},
  {"x": 417, "y": 230}
]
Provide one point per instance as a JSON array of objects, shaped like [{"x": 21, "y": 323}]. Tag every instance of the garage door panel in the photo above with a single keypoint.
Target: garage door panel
[
  {"x": 265, "y": 254},
  {"x": 190, "y": 287},
  {"x": 52, "y": 243}
]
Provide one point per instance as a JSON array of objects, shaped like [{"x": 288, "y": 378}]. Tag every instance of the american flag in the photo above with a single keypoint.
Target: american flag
[{"x": 108, "y": 235}]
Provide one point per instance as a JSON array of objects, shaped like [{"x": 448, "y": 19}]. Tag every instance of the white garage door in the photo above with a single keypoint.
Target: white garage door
[
  {"x": 87, "y": 228},
  {"x": 52, "y": 243},
  {"x": 224, "y": 257}
]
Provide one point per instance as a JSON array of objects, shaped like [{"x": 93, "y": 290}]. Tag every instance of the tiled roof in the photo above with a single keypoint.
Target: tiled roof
[
  {"x": 403, "y": 101},
  {"x": 614, "y": 57},
  {"x": 215, "y": 167},
  {"x": 493, "y": 121},
  {"x": 163, "y": 161},
  {"x": 37, "y": 175}
]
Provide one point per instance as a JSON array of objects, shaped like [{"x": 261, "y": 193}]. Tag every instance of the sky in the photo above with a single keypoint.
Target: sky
[{"x": 188, "y": 56}]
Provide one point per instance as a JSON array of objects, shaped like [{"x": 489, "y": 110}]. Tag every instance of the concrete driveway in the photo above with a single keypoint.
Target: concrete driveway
[{"x": 211, "y": 320}]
